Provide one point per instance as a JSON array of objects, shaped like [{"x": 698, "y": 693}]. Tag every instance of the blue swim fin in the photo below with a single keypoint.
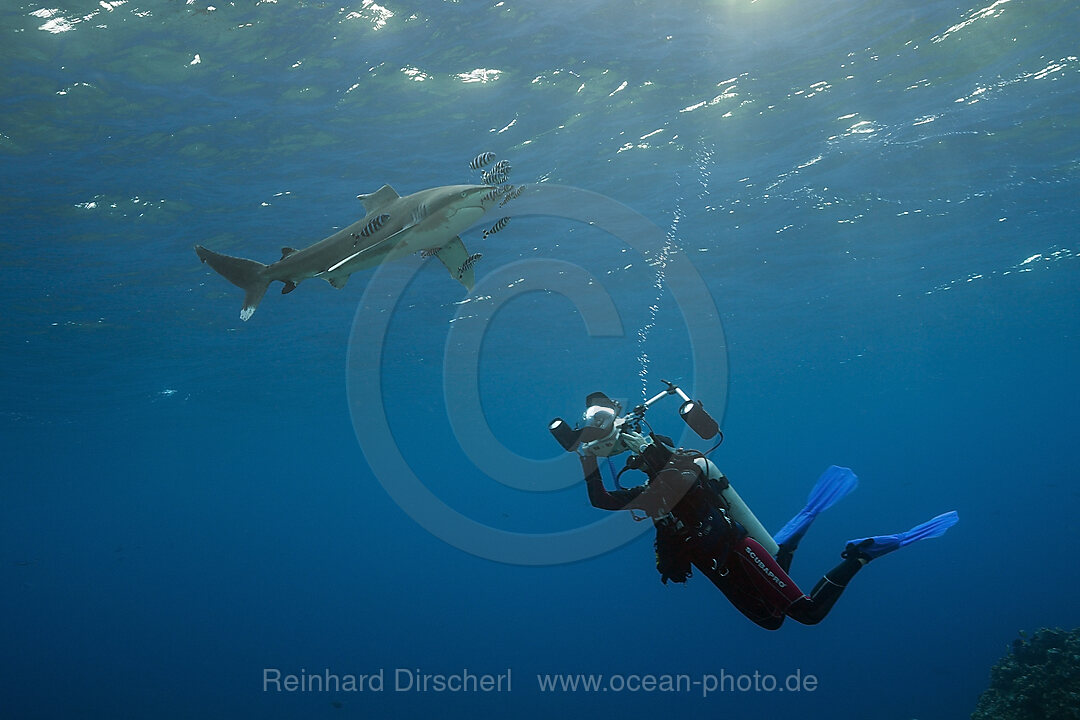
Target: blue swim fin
[
  {"x": 834, "y": 483},
  {"x": 875, "y": 547}
]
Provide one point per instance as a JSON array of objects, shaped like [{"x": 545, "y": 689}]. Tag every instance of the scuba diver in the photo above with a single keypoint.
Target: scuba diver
[{"x": 702, "y": 522}]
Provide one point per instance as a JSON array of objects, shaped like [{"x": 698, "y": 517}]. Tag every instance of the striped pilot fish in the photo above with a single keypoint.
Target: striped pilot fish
[
  {"x": 512, "y": 193},
  {"x": 469, "y": 262},
  {"x": 497, "y": 175},
  {"x": 496, "y": 192},
  {"x": 373, "y": 227},
  {"x": 502, "y": 222},
  {"x": 481, "y": 160}
]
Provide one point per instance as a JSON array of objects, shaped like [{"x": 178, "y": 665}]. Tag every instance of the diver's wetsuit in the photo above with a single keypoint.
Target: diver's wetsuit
[{"x": 697, "y": 531}]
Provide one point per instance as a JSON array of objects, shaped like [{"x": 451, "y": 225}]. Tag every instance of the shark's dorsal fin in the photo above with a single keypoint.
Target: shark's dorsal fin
[
  {"x": 383, "y": 196},
  {"x": 286, "y": 252}
]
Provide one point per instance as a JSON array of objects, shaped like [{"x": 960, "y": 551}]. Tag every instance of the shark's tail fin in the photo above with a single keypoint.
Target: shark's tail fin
[{"x": 248, "y": 275}]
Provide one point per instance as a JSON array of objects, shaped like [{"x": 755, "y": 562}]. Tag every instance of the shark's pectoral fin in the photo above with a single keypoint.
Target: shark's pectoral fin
[
  {"x": 338, "y": 281},
  {"x": 383, "y": 196},
  {"x": 458, "y": 261}
]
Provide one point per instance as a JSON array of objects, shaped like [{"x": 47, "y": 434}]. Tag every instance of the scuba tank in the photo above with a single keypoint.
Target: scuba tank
[
  {"x": 737, "y": 509},
  {"x": 674, "y": 473}
]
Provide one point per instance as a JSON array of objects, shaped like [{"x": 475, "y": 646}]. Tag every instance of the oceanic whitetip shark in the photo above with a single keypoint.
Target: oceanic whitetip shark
[{"x": 428, "y": 221}]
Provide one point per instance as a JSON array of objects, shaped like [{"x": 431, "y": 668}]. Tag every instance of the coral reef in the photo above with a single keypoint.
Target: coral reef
[{"x": 1038, "y": 680}]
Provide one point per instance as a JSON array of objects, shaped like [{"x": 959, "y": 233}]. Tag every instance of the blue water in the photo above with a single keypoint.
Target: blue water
[{"x": 879, "y": 200}]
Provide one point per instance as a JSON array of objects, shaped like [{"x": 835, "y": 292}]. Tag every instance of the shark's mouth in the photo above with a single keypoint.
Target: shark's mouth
[{"x": 467, "y": 215}]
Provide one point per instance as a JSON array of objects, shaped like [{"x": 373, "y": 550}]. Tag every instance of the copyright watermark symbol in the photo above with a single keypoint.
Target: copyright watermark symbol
[{"x": 463, "y": 377}]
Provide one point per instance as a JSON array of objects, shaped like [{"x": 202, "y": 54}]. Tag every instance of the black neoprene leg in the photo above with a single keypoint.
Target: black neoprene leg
[
  {"x": 812, "y": 609},
  {"x": 784, "y": 556}
]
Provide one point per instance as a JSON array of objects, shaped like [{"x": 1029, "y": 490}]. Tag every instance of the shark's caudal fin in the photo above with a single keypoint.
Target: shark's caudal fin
[{"x": 248, "y": 275}]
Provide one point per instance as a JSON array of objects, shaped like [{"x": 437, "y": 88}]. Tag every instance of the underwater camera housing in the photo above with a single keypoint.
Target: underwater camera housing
[
  {"x": 602, "y": 431},
  {"x": 598, "y": 423}
]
